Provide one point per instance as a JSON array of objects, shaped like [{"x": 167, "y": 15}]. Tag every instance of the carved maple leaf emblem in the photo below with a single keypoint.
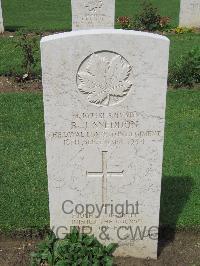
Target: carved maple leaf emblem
[
  {"x": 92, "y": 5},
  {"x": 105, "y": 79}
]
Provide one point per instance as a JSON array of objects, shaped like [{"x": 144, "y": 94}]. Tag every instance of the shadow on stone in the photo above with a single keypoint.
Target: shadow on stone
[{"x": 174, "y": 196}]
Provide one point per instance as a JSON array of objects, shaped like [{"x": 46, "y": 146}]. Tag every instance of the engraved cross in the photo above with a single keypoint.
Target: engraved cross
[{"x": 104, "y": 175}]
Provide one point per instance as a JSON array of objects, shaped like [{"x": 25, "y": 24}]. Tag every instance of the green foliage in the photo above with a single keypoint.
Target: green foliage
[
  {"x": 182, "y": 30},
  {"x": 29, "y": 49},
  {"x": 125, "y": 22},
  {"x": 186, "y": 71},
  {"x": 75, "y": 249},
  {"x": 149, "y": 18}
]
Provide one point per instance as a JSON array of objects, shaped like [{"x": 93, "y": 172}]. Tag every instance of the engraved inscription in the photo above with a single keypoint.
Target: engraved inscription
[
  {"x": 115, "y": 128},
  {"x": 104, "y": 78},
  {"x": 93, "y": 14},
  {"x": 90, "y": 20},
  {"x": 190, "y": 13},
  {"x": 104, "y": 175},
  {"x": 195, "y": 6}
]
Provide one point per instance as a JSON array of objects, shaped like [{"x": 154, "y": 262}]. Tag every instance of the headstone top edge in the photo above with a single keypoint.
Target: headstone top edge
[{"x": 102, "y": 31}]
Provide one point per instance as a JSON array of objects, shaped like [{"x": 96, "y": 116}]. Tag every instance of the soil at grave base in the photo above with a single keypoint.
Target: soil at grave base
[
  {"x": 183, "y": 250},
  {"x": 9, "y": 84}
]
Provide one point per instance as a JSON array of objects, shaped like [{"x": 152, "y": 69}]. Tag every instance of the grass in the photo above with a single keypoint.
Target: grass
[
  {"x": 23, "y": 187},
  {"x": 47, "y": 15},
  {"x": 182, "y": 44},
  {"x": 24, "y": 197},
  {"x": 180, "y": 203},
  {"x": 11, "y": 56},
  {"x": 50, "y": 15}
]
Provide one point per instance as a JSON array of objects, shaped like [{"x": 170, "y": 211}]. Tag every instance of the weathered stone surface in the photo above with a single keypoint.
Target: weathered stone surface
[
  {"x": 190, "y": 13},
  {"x": 1, "y": 20},
  {"x": 104, "y": 105},
  {"x": 93, "y": 14}
]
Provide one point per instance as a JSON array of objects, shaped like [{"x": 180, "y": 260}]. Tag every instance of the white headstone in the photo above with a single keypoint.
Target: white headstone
[
  {"x": 190, "y": 14},
  {"x": 104, "y": 105},
  {"x": 93, "y": 14},
  {"x": 1, "y": 20}
]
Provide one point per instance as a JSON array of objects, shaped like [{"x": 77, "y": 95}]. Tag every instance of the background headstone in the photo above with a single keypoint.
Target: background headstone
[
  {"x": 190, "y": 14},
  {"x": 1, "y": 19},
  {"x": 104, "y": 106},
  {"x": 93, "y": 14}
]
